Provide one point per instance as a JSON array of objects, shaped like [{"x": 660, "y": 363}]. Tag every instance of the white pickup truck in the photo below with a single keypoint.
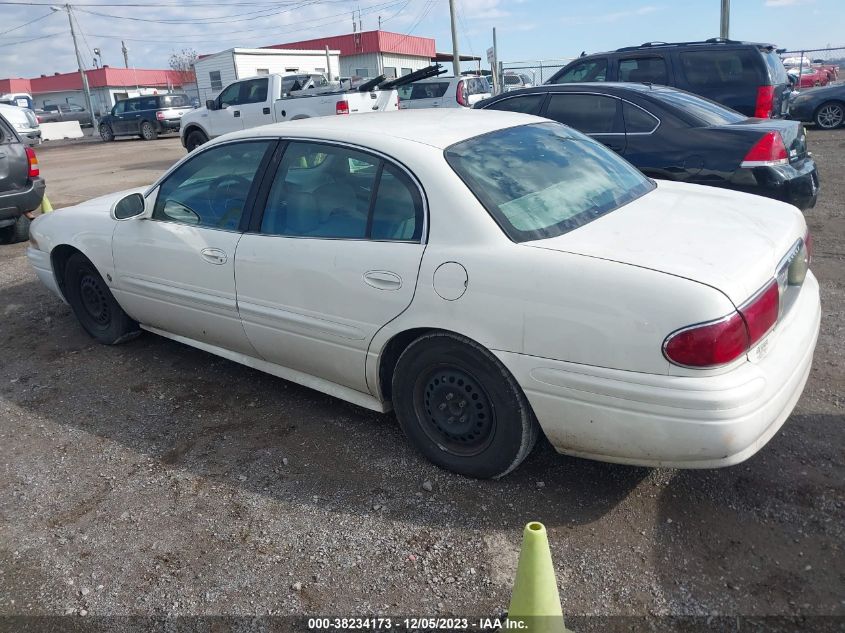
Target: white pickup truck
[{"x": 265, "y": 99}]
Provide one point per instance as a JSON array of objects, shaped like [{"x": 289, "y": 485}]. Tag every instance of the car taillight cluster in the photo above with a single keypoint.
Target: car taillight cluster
[
  {"x": 160, "y": 115},
  {"x": 461, "y": 94},
  {"x": 764, "y": 107},
  {"x": 767, "y": 152},
  {"x": 33, "y": 163},
  {"x": 342, "y": 107}
]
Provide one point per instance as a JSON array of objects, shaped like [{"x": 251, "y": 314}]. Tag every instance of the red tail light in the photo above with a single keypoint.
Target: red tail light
[
  {"x": 160, "y": 115},
  {"x": 769, "y": 150},
  {"x": 33, "y": 162},
  {"x": 764, "y": 107},
  {"x": 460, "y": 93},
  {"x": 342, "y": 107},
  {"x": 39, "y": 119},
  {"x": 723, "y": 341}
]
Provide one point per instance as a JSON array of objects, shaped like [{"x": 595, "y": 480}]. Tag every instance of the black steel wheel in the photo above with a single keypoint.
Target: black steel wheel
[
  {"x": 194, "y": 140},
  {"x": 830, "y": 115},
  {"x": 461, "y": 407},
  {"x": 94, "y": 305}
]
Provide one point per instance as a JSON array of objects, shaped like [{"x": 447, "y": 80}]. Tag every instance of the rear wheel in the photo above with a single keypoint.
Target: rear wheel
[
  {"x": 106, "y": 133},
  {"x": 194, "y": 140},
  {"x": 148, "y": 132},
  {"x": 94, "y": 305},
  {"x": 830, "y": 115},
  {"x": 461, "y": 407},
  {"x": 17, "y": 232}
]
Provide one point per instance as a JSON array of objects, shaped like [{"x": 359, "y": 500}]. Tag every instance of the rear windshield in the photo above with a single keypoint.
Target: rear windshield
[
  {"x": 543, "y": 180},
  {"x": 512, "y": 80},
  {"x": 175, "y": 101},
  {"x": 427, "y": 90},
  {"x": 733, "y": 67},
  {"x": 698, "y": 110},
  {"x": 777, "y": 73}
]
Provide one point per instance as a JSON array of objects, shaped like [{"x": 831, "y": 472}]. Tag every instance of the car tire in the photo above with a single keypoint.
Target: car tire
[
  {"x": 94, "y": 305},
  {"x": 148, "y": 131},
  {"x": 830, "y": 115},
  {"x": 17, "y": 232},
  {"x": 106, "y": 133},
  {"x": 194, "y": 140},
  {"x": 461, "y": 407}
]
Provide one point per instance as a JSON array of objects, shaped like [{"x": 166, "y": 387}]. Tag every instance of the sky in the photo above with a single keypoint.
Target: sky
[{"x": 526, "y": 29}]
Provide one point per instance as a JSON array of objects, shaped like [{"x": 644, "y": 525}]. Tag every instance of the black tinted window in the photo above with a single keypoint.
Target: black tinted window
[
  {"x": 643, "y": 70},
  {"x": 428, "y": 90},
  {"x": 149, "y": 103},
  {"x": 718, "y": 67},
  {"x": 591, "y": 114},
  {"x": 700, "y": 110},
  {"x": 777, "y": 73},
  {"x": 211, "y": 188},
  {"x": 590, "y": 70},
  {"x": 529, "y": 104},
  {"x": 254, "y": 91},
  {"x": 637, "y": 120}
]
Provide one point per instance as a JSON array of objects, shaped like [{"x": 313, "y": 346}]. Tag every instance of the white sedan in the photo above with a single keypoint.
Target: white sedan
[{"x": 488, "y": 275}]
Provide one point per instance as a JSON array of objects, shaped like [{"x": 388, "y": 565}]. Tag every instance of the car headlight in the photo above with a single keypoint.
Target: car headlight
[{"x": 20, "y": 126}]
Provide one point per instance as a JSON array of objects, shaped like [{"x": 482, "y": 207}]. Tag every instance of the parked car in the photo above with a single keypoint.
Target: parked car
[
  {"x": 823, "y": 106},
  {"x": 832, "y": 70},
  {"x": 675, "y": 135},
  {"x": 146, "y": 116},
  {"x": 515, "y": 81},
  {"x": 809, "y": 77},
  {"x": 444, "y": 92},
  {"x": 24, "y": 121},
  {"x": 489, "y": 275},
  {"x": 747, "y": 77},
  {"x": 21, "y": 184},
  {"x": 66, "y": 112}
]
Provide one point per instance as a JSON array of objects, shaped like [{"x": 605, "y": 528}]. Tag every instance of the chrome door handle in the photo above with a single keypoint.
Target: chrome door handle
[
  {"x": 214, "y": 256},
  {"x": 383, "y": 280}
]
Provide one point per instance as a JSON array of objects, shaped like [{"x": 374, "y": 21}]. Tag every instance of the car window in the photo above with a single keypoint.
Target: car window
[
  {"x": 427, "y": 90},
  {"x": 591, "y": 114},
  {"x": 76, "y": 108},
  {"x": 211, "y": 188},
  {"x": 543, "y": 180},
  {"x": 230, "y": 96},
  {"x": 253, "y": 91},
  {"x": 529, "y": 104},
  {"x": 643, "y": 70},
  {"x": 637, "y": 120},
  {"x": 512, "y": 80},
  {"x": 119, "y": 107},
  {"x": 133, "y": 105},
  {"x": 51, "y": 108},
  {"x": 6, "y": 135},
  {"x": 148, "y": 103},
  {"x": 777, "y": 72},
  {"x": 699, "y": 110},
  {"x": 588, "y": 70},
  {"x": 175, "y": 101},
  {"x": 325, "y": 191},
  {"x": 723, "y": 67}
]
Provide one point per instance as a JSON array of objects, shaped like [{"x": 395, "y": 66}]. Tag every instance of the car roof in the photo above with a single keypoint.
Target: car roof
[
  {"x": 597, "y": 86},
  {"x": 438, "y": 128},
  {"x": 715, "y": 43}
]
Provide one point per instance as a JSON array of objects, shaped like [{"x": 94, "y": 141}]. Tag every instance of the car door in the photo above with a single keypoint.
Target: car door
[
  {"x": 147, "y": 107},
  {"x": 599, "y": 116},
  {"x": 227, "y": 117},
  {"x": 333, "y": 257},
  {"x": 118, "y": 117},
  {"x": 175, "y": 271},
  {"x": 254, "y": 106}
]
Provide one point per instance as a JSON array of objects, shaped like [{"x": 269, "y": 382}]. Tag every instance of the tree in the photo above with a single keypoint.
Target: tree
[{"x": 183, "y": 63}]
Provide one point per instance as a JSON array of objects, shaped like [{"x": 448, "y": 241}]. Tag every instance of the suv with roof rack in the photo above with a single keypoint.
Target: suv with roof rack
[{"x": 746, "y": 76}]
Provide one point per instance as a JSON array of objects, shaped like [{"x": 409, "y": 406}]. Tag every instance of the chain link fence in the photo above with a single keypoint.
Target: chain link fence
[{"x": 538, "y": 70}]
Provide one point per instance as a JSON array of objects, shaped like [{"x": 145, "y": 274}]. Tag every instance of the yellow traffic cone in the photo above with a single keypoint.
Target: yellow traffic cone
[
  {"x": 535, "y": 601},
  {"x": 46, "y": 207}
]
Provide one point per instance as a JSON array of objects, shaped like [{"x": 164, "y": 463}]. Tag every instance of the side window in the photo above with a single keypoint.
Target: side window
[
  {"x": 253, "y": 91},
  {"x": 76, "y": 108},
  {"x": 529, "y": 104},
  {"x": 591, "y": 114},
  {"x": 133, "y": 105},
  {"x": 637, "y": 120},
  {"x": 211, "y": 189},
  {"x": 6, "y": 135},
  {"x": 591, "y": 70},
  {"x": 230, "y": 96},
  {"x": 324, "y": 191},
  {"x": 731, "y": 67},
  {"x": 643, "y": 70},
  {"x": 216, "y": 80},
  {"x": 149, "y": 103},
  {"x": 119, "y": 107}
]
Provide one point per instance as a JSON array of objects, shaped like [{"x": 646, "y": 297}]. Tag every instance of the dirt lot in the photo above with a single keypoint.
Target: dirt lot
[{"x": 152, "y": 479}]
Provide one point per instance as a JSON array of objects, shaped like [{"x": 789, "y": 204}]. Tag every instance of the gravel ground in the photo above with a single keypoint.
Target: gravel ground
[{"x": 152, "y": 479}]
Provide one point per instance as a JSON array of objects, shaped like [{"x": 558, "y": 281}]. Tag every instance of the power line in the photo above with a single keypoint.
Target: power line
[
  {"x": 33, "y": 39},
  {"x": 223, "y": 19},
  {"x": 20, "y": 26}
]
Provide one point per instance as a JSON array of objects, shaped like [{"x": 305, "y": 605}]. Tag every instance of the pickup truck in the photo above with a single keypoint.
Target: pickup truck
[
  {"x": 275, "y": 98},
  {"x": 65, "y": 112}
]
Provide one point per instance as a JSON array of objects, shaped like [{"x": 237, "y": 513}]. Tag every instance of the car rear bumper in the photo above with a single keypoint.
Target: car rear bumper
[
  {"x": 16, "y": 203},
  {"x": 169, "y": 125},
  {"x": 796, "y": 183},
  {"x": 674, "y": 421}
]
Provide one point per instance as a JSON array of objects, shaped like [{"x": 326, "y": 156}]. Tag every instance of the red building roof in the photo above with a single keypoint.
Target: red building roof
[
  {"x": 97, "y": 78},
  {"x": 369, "y": 42}
]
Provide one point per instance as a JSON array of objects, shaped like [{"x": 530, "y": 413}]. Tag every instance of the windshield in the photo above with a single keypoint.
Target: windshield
[
  {"x": 175, "y": 101},
  {"x": 702, "y": 111},
  {"x": 777, "y": 73},
  {"x": 512, "y": 80},
  {"x": 543, "y": 180}
]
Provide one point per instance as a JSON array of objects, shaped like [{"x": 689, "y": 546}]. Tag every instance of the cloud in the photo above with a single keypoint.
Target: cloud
[
  {"x": 786, "y": 3},
  {"x": 610, "y": 17}
]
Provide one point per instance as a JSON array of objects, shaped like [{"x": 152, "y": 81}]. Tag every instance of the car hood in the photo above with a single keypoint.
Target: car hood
[
  {"x": 724, "y": 239},
  {"x": 103, "y": 204}
]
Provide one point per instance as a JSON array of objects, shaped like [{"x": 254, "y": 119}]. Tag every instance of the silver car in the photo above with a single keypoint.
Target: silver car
[{"x": 444, "y": 92}]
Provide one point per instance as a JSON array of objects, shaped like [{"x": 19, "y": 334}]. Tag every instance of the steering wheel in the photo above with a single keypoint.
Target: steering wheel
[
  {"x": 242, "y": 186},
  {"x": 229, "y": 179}
]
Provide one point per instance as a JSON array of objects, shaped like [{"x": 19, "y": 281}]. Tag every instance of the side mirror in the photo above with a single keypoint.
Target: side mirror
[
  {"x": 211, "y": 104},
  {"x": 128, "y": 207}
]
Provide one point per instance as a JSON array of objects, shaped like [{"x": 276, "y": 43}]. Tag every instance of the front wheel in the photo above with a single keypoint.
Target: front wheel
[
  {"x": 106, "y": 133},
  {"x": 194, "y": 140},
  {"x": 830, "y": 115},
  {"x": 148, "y": 132},
  {"x": 94, "y": 305},
  {"x": 461, "y": 407}
]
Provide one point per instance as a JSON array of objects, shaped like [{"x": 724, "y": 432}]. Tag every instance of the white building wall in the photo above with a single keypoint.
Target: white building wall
[
  {"x": 282, "y": 62},
  {"x": 223, "y": 62},
  {"x": 376, "y": 62}
]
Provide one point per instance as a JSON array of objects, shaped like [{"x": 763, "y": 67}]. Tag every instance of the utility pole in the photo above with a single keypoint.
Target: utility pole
[
  {"x": 495, "y": 65},
  {"x": 125, "y": 53},
  {"x": 456, "y": 59},
  {"x": 85, "y": 89},
  {"x": 725, "y": 23}
]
